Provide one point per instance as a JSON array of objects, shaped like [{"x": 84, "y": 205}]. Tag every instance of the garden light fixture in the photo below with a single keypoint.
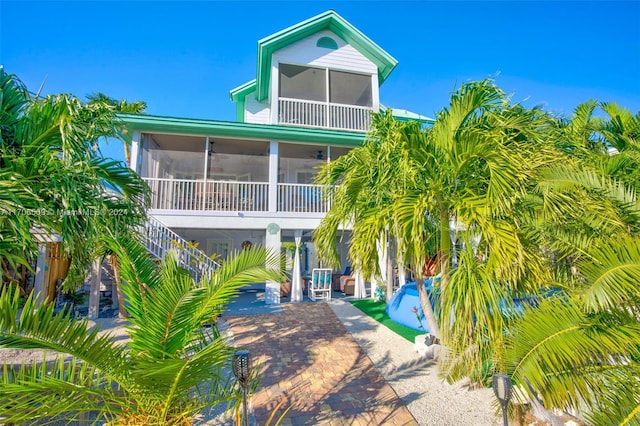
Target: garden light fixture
[
  {"x": 502, "y": 389},
  {"x": 241, "y": 369}
]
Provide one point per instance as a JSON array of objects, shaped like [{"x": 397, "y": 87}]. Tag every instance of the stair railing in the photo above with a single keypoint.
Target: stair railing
[{"x": 160, "y": 240}]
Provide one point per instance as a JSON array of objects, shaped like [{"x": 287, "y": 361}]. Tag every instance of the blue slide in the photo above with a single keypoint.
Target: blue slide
[{"x": 404, "y": 306}]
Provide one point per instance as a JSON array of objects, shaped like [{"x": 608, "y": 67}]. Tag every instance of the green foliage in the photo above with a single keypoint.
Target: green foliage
[
  {"x": 538, "y": 202},
  {"x": 53, "y": 179},
  {"x": 169, "y": 370}
]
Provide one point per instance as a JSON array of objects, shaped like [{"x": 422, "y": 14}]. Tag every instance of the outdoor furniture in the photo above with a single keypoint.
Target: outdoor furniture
[
  {"x": 320, "y": 284},
  {"x": 348, "y": 285},
  {"x": 338, "y": 278},
  {"x": 285, "y": 288}
]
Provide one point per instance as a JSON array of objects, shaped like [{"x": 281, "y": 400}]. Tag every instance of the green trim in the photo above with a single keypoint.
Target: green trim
[
  {"x": 242, "y": 91},
  {"x": 327, "y": 43},
  {"x": 240, "y": 110},
  {"x": 331, "y": 21},
  {"x": 190, "y": 126}
]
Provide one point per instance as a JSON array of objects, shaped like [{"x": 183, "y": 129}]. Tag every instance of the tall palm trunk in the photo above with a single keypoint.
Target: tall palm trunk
[
  {"x": 115, "y": 265},
  {"x": 427, "y": 308},
  {"x": 445, "y": 249}
]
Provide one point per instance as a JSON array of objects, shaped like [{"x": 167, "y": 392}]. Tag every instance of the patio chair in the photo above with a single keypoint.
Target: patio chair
[{"x": 320, "y": 284}]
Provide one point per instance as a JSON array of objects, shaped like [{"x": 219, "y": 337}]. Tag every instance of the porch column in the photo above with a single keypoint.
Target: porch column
[
  {"x": 94, "y": 294},
  {"x": 273, "y": 176},
  {"x": 402, "y": 273},
  {"x": 381, "y": 280},
  {"x": 272, "y": 242},
  {"x": 135, "y": 151},
  {"x": 359, "y": 292},
  {"x": 41, "y": 268}
]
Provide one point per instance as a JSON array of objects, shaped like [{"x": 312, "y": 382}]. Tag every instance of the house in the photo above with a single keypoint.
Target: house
[{"x": 222, "y": 184}]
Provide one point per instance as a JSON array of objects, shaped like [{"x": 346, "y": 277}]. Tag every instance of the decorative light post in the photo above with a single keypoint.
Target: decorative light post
[
  {"x": 502, "y": 388},
  {"x": 241, "y": 369}
]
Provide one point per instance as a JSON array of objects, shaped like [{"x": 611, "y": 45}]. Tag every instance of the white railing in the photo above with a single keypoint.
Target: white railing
[
  {"x": 183, "y": 194},
  {"x": 232, "y": 196},
  {"x": 160, "y": 240},
  {"x": 302, "y": 198},
  {"x": 323, "y": 114}
]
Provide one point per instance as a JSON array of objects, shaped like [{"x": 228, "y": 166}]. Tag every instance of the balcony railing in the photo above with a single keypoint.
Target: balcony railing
[
  {"x": 323, "y": 114},
  {"x": 184, "y": 194},
  {"x": 231, "y": 196},
  {"x": 301, "y": 198}
]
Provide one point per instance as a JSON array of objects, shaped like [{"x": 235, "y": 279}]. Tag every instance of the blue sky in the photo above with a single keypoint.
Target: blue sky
[{"x": 182, "y": 58}]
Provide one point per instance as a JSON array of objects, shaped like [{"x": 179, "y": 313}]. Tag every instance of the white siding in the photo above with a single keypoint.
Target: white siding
[
  {"x": 305, "y": 51},
  {"x": 256, "y": 112}
]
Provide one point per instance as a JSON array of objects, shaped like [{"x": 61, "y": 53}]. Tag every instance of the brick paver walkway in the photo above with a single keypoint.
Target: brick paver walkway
[{"x": 307, "y": 356}]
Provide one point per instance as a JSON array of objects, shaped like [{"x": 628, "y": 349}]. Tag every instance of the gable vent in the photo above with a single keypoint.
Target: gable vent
[{"x": 327, "y": 43}]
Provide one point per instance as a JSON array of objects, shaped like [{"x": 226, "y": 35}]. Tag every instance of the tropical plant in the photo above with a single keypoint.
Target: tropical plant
[
  {"x": 57, "y": 182},
  {"x": 466, "y": 174},
  {"x": 579, "y": 350},
  {"x": 170, "y": 369},
  {"x": 120, "y": 106}
]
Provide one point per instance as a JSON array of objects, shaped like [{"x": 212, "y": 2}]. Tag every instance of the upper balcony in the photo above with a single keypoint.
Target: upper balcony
[
  {"x": 324, "y": 114},
  {"x": 321, "y": 97}
]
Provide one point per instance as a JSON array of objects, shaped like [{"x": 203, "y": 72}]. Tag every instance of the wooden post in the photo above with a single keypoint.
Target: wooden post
[{"x": 41, "y": 266}]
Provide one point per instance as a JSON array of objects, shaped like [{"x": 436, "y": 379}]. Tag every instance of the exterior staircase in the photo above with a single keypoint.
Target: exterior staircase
[{"x": 160, "y": 240}]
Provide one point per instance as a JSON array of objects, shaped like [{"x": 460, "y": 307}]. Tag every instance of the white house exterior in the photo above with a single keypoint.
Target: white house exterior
[{"x": 222, "y": 183}]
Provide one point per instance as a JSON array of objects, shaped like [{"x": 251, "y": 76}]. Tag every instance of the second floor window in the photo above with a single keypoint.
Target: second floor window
[
  {"x": 310, "y": 83},
  {"x": 299, "y": 82}
]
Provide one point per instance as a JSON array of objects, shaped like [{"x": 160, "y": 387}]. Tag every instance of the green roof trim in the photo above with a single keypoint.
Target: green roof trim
[
  {"x": 190, "y": 126},
  {"x": 241, "y": 92},
  {"x": 331, "y": 21}
]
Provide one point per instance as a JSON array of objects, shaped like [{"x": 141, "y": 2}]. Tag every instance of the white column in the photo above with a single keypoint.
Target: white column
[
  {"x": 375, "y": 93},
  {"x": 41, "y": 267},
  {"x": 273, "y": 176},
  {"x": 135, "y": 151},
  {"x": 94, "y": 294},
  {"x": 381, "y": 280},
  {"x": 207, "y": 147},
  {"x": 272, "y": 242},
  {"x": 359, "y": 292},
  {"x": 402, "y": 273},
  {"x": 275, "y": 89}
]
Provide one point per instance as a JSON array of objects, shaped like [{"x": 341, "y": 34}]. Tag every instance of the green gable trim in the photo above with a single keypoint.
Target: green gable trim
[
  {"x": 240, "y": 110},
  {"x": 241, "y": 92},
  {"x": 331, "y": 21},
  {"x": 327, "y": 43},
  {"x": 190, "y": 126}
]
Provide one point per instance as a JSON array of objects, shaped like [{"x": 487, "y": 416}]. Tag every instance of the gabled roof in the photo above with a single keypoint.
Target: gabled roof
[{"x": 328, "y": 20}]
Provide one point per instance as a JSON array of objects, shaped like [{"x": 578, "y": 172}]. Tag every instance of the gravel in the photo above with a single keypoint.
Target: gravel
[{"x": 414, "y": 378}]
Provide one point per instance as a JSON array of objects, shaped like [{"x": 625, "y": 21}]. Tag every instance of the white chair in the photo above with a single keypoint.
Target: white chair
[{"x": 320, "y": 284}]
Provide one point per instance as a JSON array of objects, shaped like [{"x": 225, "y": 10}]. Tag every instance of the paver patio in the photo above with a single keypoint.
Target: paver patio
[{"x": 307, "y": 356}]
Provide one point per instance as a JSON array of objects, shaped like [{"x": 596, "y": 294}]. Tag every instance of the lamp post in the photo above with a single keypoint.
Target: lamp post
[
  {"x": 502, "y": 389},
  {"x": 241, "y": 369}
]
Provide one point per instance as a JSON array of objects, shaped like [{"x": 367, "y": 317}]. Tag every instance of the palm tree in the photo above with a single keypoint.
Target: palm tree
[
  {"x": 120, "y": 106},
  {"x": 60, "y": 183},
  {"x": 472, "y": 168},
  {"x": 170, "y": 369},
  {"x": 362, "y": 187},
  {"x": 580, "y": 349}
]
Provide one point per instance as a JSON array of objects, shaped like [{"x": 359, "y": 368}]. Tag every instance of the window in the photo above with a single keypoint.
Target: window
[
  {"x": 327, "y": 43},
  {"x": 301, "y": 82},
  {"x": 308, "y": 83},
  {"x": 350, "y": 89}
]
